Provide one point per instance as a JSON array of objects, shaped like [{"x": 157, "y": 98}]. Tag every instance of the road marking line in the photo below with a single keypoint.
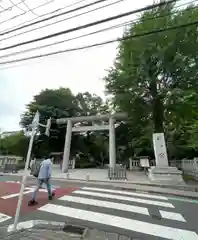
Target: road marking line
[
  {"x": 106, "y": 204},
  {"x": 32, "y": 189},
  {"x": 131, "y": 199},
  {"x": 40, "y": 190},
  {"x": 172, "y": 216},
  {"x": 119, "y": 222},
  {"x": 4, "y": 217},
  {"x": 12, "y": 182},
  {"x": 125, "y": 193},
  {"x": 15, "y": 195}
]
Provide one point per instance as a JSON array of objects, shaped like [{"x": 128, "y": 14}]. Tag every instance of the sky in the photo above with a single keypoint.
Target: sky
[{"x": 80, "y": 70}]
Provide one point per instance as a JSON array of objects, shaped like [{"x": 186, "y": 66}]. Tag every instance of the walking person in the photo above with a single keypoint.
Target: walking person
[{"x": 43, "y": 174}]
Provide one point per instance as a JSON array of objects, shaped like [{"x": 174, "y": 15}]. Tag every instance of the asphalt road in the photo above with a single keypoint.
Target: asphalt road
[{"x": 139, "y": 215}]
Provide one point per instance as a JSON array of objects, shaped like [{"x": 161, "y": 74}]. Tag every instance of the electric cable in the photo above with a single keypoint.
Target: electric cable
[
  {"x": 54, "y": 16},
  {"x": 59, "y": 9},
  {"x": 87, "y": 25},
  {"x": 2, "y": 8},
  {"x": 30, "y": 9},
  {"x": 92, "y": 33},
  {"x": 50, "y": 24},
  {"x": 16, "y": 16},
  {"x": 10, "y": 8},
  {"x": 15, "y": 5},
  {"x": 156, "y": 31}
]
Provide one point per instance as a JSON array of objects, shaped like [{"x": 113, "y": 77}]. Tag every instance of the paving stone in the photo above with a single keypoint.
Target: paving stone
[{"x": 43, "y": 234}]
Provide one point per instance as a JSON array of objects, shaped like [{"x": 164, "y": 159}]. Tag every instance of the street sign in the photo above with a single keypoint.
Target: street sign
[
  {"x": 35, "y": 121},
  {"x": 144, "y": 162},
  {"x": 48, "y": 126}
]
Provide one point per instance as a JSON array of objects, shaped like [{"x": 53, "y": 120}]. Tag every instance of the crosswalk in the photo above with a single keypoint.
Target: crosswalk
[{"x": 129, "y": 211}]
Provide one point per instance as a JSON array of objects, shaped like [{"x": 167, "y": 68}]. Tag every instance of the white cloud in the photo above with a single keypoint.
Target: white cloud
[{"x": 80, "y": 70}]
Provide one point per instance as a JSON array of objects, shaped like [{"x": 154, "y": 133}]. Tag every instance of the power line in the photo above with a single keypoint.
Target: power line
[
  {"x": 87, "y": 25},
  {"x": 54, "y": 16},
  {"x": 16, "y": 16},
  {"x": 66, "y": 40},
  {"x": 92, "y": 33},
  {"x": 16, "y": 5},
  {"x": 59, "y": 9},
  {"x": 2, "y": 8},
  {"x": 30, "y": 9},
  {"x": 78, "y": 16},
  {"x": 103, "y": 43},
  {"x": 50, "y": 24},
  {"x": 10, "y": 8}
]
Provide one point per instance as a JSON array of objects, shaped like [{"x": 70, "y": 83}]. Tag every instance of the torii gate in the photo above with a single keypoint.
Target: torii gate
[{"x": 110, "y": 127}]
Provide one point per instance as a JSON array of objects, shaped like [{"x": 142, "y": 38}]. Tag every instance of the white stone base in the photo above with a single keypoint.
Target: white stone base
[{"x": 166, "y": 175}]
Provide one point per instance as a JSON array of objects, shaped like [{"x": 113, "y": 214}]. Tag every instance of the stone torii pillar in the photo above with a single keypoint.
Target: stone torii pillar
[
  {"x": 112, "y": 145},
  {"x": 110, "y": 127},
  {"x": 66, "y": 153}
]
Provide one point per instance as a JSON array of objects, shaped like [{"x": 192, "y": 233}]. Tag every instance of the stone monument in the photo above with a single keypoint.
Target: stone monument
[{"x": 162, "y": 172}]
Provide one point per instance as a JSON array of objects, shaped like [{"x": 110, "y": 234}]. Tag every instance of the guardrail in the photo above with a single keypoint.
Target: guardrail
[
  {"x": 11, "y": 168},
  {"x": 188, "y": 166},
  {"x": 7, "y": 168},
  {"x": 117, "y": 173},
  {"x": 9, "y": 160}
]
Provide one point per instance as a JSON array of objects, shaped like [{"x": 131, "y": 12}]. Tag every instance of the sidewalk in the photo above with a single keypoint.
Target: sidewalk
[
  {"x": 57, "y": 230},
  {"x": 136, "y": 181},
  {"x": 192, "y": 188}
]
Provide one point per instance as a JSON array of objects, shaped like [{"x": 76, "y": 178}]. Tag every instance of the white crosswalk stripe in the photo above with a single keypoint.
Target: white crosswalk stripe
[
  {"x": 15, "y": 194},
  {"x": 131, "y": 199},
  {"x": 125, "y": 193},
  {"x": 124, "y": 210},
  {"x": 4, "y": 217},
  {"x": 106, "y": 204}
]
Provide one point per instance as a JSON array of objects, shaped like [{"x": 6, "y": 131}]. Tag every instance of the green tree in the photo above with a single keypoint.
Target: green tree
[
  {"x": 151, "y": 73},
  {"x": 55, "y": 103},
  {"x": 90, "y": 104},
  {"x": 61, "y": 103},
  {"x": 15, "y": 145}
]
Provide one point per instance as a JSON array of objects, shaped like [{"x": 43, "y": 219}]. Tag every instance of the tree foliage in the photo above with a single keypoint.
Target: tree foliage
[
  {"x": 14, "y": 145},
  {"x": 62, "y": 103},
  {"x": 154, "y": 77}
]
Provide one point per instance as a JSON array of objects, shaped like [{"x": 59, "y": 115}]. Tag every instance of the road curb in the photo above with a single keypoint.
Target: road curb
[
  {"x": 158, "y": 192},
  {"x": 38, "y": 224},
  {"x": 107, "y": 183},
  {"x": 187, "y": 194},
  {"x": 178, "y": 187},
  {"x": 191, "y": 188}
]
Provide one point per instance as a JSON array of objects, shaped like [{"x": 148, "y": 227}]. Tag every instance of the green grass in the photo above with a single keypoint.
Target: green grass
[
  {"x": 183, "y": 199},
  {"x": 188, "y": 178}
]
